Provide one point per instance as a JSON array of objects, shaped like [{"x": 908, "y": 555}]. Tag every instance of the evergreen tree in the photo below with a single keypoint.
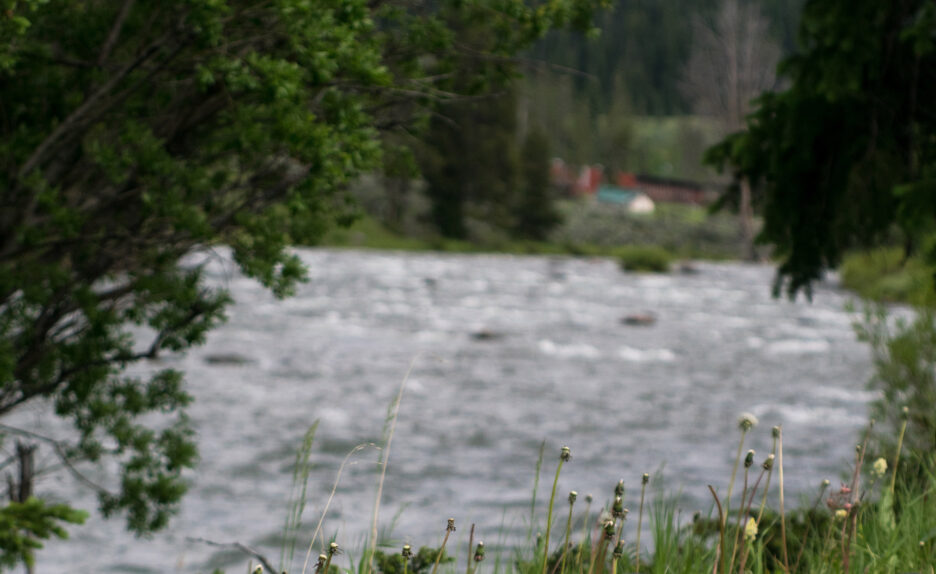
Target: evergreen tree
[{"x": 535, "y": 214}]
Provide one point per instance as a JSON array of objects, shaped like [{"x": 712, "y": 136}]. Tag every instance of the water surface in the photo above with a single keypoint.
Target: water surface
[{"x": 554, "y": 362}]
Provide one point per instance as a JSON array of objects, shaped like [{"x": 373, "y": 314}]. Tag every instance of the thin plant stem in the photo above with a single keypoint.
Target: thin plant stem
[
  {"x": 900, "y": 438},
  {"x": 721, "y": 531},
  {"x": 585, "y": 529},
  {"x": 734, "y": 473},
  {"x": 393, "y": 412},
  {"x": 643, "y": 490},
  {"x": 739, "y": 535},
  {"x": 783, "y": 540},
  {"x": 552, "y": 499},
  {"x": 331, "y": 496},
  {"x": 799, "y": 555},
  {"x": 763, "y": 503},
  {"x": 750, "y": 502},
  {"x": 448, "y": 530},
  {"x": 568, "y": 532},
  {"x": 470, "y": 548}
]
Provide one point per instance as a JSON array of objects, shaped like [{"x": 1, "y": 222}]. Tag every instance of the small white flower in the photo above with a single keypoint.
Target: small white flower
[
  {"x": 879, "y": 467},
  {"x": 746, "y": 421}
]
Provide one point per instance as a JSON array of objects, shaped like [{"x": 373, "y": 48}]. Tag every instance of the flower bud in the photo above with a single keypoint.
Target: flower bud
[
  {"x": 645, "y": 478},
  {"x": 749, "y": 459},
  {"x": 768, "y": 463},
  {"x": 407, "y": 551},
  {"x": 775, "y": 431},
  {"x": 565, "y": 455},
  {"x": 450, "y": 527},
  {"x": 479, "y": 552},
  {"x": 619, "y": 488},
  {"x": 572, "y": 496},
  {"x": 333, "y": 549},
  {"x": 609, "y": 529},
  {"x": 618, "y": 549}
]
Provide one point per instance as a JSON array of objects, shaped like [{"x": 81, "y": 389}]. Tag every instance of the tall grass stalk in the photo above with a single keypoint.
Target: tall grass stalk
[
  {"x": 393, "y": 412},
  {"x": 328, "y": 501},
  {"x": 536, "y": 479},
  {"x": 643, "y": 490},
  {"x": 297, "y": 497},
  {"x": 564, "y": 455},
  {"x": 900, "y": 438}
]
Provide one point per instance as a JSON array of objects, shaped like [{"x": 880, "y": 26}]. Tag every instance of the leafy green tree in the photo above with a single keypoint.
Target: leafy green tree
[
  {"x": 470, "y": 161},
  {"x": 847, "y": 152},
  {"x": 134, "y": 135}
]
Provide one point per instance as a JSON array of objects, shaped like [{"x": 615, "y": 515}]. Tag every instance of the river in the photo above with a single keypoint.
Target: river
[{"x": 507, "y": 352}]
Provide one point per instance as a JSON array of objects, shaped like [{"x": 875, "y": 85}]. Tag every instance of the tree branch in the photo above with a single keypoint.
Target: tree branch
[
  {"x": 115, "y": 32},
  {"x": 62, "y": 455},
  {"x": 242, "y": 547}
]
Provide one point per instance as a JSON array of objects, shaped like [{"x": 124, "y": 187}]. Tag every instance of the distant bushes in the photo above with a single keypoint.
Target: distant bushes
[
  {"x": 684, "y": 230},
  {"x": 644, "y": 258},
  {"x": 887, "y": 275}
]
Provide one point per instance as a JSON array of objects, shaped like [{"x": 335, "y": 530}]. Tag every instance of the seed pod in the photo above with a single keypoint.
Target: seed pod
[{"x": 450, "y": 527}]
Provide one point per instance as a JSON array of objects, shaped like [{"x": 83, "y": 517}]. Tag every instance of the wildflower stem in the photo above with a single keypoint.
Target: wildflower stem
[
  {"x": 763, "y": 503},
  {"x": 568, "y": 531},
  {"x": 734, "y": 473},
  {"x": 786, "y": 558},
  {"x": 448, "y": 530},
  {"x": 552, "y": 498},
  {"x": 721, "y": 531},
  {"x": 643, "y": 490},
  {"x": 739, "y": 530}
]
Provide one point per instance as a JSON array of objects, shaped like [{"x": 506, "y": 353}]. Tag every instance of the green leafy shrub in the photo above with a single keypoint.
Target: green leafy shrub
[
  {"x": 886, "y": 274},
  {"x": 904, "y": 356},
  {"x": 644, "y": 258}
]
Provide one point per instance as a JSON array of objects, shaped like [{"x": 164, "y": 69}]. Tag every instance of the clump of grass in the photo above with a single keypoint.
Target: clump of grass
[{"x": 878, "y": 525}]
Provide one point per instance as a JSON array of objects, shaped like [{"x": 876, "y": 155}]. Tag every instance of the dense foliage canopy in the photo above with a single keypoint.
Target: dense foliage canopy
[
  {"x": 134, "y": 134},
  {"x": 847, "y": 154}
]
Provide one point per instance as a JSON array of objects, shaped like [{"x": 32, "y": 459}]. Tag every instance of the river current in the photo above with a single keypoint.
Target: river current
[{"x": 507, "y": 352}]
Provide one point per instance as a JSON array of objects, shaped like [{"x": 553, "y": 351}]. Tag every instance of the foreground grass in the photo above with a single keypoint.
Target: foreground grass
[{"x": 871, "y": 523}]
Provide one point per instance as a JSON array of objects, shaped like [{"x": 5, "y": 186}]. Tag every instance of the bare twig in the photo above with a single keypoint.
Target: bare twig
[
  {"x": 60, "y": 452},
  {"x": 242, "y": 547}
]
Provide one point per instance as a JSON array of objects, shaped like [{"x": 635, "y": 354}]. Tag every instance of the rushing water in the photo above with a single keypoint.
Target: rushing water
[{"x": 556, "y": 364}]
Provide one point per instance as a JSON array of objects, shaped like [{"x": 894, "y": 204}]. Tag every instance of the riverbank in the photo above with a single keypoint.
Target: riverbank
[{"x": 641, "y": 242}]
